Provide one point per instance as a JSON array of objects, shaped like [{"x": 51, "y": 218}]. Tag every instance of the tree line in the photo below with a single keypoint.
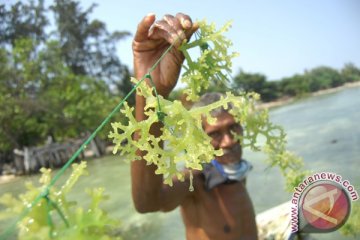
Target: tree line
[
  {"x": 60, "y": 74},
  {"x": 296, "y": 86},
  {"x": 318, "y": 78}
]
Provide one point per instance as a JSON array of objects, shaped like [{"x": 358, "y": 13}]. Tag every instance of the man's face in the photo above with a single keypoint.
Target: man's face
[{"x": 222, "y": 137}]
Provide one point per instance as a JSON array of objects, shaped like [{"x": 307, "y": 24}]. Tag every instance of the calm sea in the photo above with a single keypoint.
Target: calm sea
[{"x": 323, "y": 130}]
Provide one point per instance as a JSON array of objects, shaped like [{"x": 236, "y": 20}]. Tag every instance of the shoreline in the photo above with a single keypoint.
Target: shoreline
[
  {"x": 7, "y": 178},
  {"x": 287, "y": 100}
]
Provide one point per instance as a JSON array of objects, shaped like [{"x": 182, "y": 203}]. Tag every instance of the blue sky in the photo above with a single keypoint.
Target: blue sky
[{"x": 277, "y": 38}]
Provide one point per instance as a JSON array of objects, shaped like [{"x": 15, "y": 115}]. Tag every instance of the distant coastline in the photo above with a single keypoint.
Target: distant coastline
[{"x": 287, "y": 100}]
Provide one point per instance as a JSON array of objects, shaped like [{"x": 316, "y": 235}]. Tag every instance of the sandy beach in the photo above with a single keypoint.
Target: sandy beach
[
  {"x": 288, "y": 100},
  {"x": 6, "y": 178}
]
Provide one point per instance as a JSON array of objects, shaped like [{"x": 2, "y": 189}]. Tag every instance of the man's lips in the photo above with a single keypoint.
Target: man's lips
[{"x": 234, "y": 149}]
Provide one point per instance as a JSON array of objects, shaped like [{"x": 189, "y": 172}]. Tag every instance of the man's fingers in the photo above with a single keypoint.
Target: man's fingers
[
  {"x": 185, "y": 20},
  {"x": 171, "y": 29},
  {"x": 187, "y": 24},
  {"x": 162, "y": 30},
  {"x": 176, "y": 25},
  {"x": 189, "y": 32},
  {"x": 143, "y": 27}
]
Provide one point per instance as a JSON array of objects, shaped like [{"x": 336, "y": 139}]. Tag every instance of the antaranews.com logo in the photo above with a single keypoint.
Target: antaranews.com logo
[{"x": 321, "y": 203}]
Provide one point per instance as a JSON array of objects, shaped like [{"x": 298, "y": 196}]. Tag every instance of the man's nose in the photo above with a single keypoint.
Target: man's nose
[{"x": 227, "y": 140}]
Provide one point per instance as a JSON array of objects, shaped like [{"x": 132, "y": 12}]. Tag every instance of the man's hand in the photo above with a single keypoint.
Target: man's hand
[{"x": 151, "y": 41}]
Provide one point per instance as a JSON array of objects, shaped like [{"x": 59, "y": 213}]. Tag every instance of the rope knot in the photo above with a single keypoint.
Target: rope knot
[{"x": 161, "y": 115}]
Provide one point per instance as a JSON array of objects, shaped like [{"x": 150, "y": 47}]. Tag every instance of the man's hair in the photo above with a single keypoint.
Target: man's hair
[{"x": 209, "y": 98}]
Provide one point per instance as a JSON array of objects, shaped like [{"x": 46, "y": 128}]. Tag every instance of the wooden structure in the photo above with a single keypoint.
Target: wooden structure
[{"x": 54, "y": 155}]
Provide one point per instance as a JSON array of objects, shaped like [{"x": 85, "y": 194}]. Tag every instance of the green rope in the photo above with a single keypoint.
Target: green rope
[
  {"x": 45, "y": 193},
  {"x": 49, "y": 219},
  {"x": 160, "y": 114},
  {"x": 62, "y": 216}
]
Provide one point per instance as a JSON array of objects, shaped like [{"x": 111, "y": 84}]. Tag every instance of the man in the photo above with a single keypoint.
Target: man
[{"x": 219, "y": 207}]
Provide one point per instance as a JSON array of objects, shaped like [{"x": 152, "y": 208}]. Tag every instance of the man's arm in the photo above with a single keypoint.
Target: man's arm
[{"x": 150, "y": 42}]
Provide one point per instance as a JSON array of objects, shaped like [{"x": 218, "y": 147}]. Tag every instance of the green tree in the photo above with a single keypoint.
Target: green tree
[
  {"x": 323, "y": 77},
  {"x": 58, "y": 83},
  {"x": 87, "y": 47},
  {"x": 350, "y": 73},
  {"x": 22, "y": 20},
  {"x": 249, "y": 81},
  {"x": 297, "y": 85},
  {"x": 257, "y": 82},
  {"x": 271, "y": 91},
  {"x": 41, "y": 97}
]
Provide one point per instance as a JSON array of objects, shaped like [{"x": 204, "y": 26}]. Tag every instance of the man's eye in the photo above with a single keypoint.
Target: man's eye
[
  {"x": 214, "y": 135},
  {"x": 236, "y": 128}
]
